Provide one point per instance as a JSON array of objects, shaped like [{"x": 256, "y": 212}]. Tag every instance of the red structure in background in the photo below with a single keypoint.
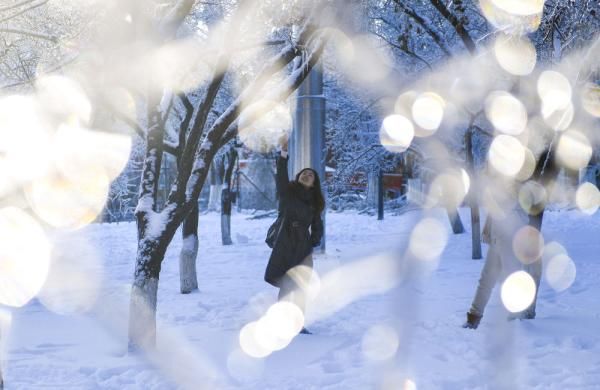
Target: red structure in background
[{"x": 392, "y": 183}]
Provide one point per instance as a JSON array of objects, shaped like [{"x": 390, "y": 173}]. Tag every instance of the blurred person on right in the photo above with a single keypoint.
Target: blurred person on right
[
  {"x": 545, "y": 174},
  {"x": 505, "y": 217}
]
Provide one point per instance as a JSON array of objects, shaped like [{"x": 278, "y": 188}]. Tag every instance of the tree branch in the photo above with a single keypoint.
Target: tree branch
[
  {"x": 152, "y": 161},
  {"x": 165, "y": 116},
  {"x": 405, "y": 50},
  {"x": 274, "y": 65},
  {"x": 185, "y": 123},
  {"x": 426, "y": 26},
  {"x": 130, "y": 122},
  {"x": 30, "y": 34},
  {"x": 170, "y": 148},
  {"x": 286, "y": 88},
  {"x": 123, "y": 118},
  {"x": 191, "y": 182},
  {"x": 259, "y": 45},
  {"x": 456, "y": 23},
  {"x": 13, "y": 6},
  {"x": 483, "y": 131},
  {"x": 23, "y": 11},
  {"x": 189, "y": 151},
  {"x": 215, "y": 140}
]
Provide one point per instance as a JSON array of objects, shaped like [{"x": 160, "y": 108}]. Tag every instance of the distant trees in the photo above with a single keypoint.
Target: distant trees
[{"x": 419, "y": 38}]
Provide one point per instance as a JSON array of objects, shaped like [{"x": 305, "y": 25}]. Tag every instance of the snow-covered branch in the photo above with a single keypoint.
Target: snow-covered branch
[
  {"x": 216, "y": 136},
  {"x": 405, "y": 49},
  {"x": 17, "y": 5},
  {"x": 425, "y": 24},
  {"x": 285, "y": 89},
  {"x": 456, "y": 24},
  {"x": 29, "y": 33},
  {"x": 155, "y": 145},
  {"x": 23, "y": 10},
  {"x": 271, "y": 67},
  {"x": 185, "y": 123}
]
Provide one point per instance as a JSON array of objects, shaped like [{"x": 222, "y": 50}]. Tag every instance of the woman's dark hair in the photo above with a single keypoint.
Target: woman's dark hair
[
  {"x": 318, "y": 200},
  {"x": 546, "y": 169}
]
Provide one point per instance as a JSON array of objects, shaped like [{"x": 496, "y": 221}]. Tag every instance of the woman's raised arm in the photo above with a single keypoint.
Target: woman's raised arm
[{"x": 282, "y": 180}]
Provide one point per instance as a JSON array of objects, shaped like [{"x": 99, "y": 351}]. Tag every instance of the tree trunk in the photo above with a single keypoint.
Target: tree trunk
[
  {"x": 226, "y": 197},
  {"x": 226, "y": 217},
  {"x": 380, "y": 195},
  {"x": 216, "y": 185},
  {"x": 152, "y": 243},
  {"x": 142, "y": 307},
  {"x": 476, "y": 227},
  {"x": 214, "y": 197},
  {"x": 189, "y": 252},
  {"x": 472, "y": 199},
  {"x": 142, "y": 313},
  {"x": 455, "y": 221},
  {"x": 372, "y": 190}
]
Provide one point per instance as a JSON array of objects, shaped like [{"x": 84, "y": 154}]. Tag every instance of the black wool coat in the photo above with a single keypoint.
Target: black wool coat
[{"x": 302, "y": 226}]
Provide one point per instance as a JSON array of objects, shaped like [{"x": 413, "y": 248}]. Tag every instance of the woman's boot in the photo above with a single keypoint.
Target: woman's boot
[{"x": 472, "y": 321}]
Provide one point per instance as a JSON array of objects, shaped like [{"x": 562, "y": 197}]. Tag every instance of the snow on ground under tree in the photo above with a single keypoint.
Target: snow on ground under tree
[{"x": 198, "y": 333}]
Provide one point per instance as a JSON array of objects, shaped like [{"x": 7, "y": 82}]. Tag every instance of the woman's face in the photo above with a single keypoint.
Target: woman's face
[{"x": 307, "y": 178}]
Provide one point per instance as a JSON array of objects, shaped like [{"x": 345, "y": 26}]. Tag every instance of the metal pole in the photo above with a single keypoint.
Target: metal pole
[
  {"x": 238, "y": 193},
  {"x": 307, "y": 142},
  {"x": 472, "y": 198},
  {"x": 380, "y": 195}
]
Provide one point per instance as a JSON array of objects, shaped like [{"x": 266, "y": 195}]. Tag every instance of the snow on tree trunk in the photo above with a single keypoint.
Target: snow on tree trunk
[
  {"x": 189, "y": 252},
  {"x": 155, "y": 232},
  {"x": 142, "y": 314}
]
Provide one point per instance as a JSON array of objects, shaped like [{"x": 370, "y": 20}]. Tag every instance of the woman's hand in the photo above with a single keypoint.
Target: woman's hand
[{"x": 283, "y": 143}]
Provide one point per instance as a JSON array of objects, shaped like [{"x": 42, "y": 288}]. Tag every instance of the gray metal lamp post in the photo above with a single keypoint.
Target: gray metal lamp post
[{"x": 307, "y": 142}]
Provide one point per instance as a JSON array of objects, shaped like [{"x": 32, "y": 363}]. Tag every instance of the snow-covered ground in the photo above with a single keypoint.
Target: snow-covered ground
[{"x": 198, "y": 333}]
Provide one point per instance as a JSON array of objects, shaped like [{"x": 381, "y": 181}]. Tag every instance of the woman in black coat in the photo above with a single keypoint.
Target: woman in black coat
[{"x": 300, "y": 205}]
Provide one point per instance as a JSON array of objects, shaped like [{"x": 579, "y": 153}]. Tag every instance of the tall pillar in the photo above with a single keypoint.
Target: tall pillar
[{"x": 307, "y": 143}]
